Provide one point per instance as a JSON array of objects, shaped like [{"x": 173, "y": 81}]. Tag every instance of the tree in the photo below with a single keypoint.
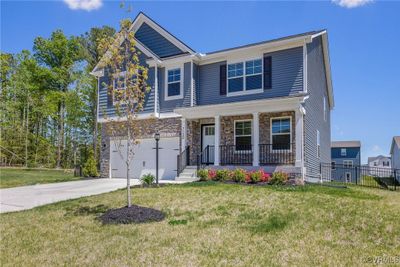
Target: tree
[
  {"x": 59, "y": 54},
  {"x": 121, "y": 61}
]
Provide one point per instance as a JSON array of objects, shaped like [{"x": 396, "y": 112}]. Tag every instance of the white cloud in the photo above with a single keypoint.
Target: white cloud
[
  {"x": 351, "y": 3},
  {"x": 87, "y": 5},
  {"x": 376, "y": 149}
]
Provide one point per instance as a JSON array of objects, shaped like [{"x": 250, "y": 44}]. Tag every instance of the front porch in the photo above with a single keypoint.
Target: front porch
[{"x": 268, "y": 137}]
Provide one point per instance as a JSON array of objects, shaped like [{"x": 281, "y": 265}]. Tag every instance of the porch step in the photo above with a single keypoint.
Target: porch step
[{"x": 188, "y": 174}]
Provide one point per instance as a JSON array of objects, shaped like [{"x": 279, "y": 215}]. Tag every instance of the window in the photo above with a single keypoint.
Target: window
[
  {"x": 174, "y": 81},
  {"x": 318, "y": 145},
  {"x": 209, "y": 130},
  {"x": 375, "y": 163},
  {"x": 243, "y": 135},
  {"x": 281, "y": 133},
  {"x": 245, "y": 76},
  {"x": 343, "y": 152},
  {"x": 348, "y": 163},
  {"x": 333, "y": 165},
  {"x": 385, "y": 163},
  {"x": 119, "y": 87},
  {"x": 325, "y": 112}
]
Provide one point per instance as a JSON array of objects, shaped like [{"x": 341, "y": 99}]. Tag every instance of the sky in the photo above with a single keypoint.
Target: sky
[{"x": 364, "y": 41}]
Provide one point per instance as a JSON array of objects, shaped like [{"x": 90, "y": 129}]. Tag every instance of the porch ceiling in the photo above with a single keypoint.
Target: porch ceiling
[{"x": 244, "y": 107}]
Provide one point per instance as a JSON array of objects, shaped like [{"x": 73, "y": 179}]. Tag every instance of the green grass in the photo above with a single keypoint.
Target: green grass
[
  {"x": 210, "y": 224},
  {"x": 10, "y": 177}
]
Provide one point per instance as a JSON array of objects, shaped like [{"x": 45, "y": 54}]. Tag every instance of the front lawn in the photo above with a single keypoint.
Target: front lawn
[
  {"x": 210, "y": 224},
  {"x": 12, "y": 177}
]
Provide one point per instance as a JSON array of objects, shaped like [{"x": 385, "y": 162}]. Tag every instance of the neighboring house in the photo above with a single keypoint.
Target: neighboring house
[
  {"x": 380, "y": 166},
  {"x": 265, "y": 105},
  {"x": 346, "y": 155},
  {"x": 395, "y": 152}
]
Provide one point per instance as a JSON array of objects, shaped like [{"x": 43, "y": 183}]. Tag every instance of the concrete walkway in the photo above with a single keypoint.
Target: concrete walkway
[{"x": 28, "y": 197}]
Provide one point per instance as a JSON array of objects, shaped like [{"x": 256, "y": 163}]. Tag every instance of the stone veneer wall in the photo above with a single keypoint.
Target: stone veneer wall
[
  {"x": 194, "y": 137},
  {"x": 170, "y": 127}
]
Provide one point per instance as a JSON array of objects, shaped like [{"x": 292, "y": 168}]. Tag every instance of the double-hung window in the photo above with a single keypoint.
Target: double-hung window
[
  {"x": 119, "y": 88},
  {"x": 343, "y": 152},
  {"x": 281, "y": 133},
  {"x": 245, "y": 77},
  {"x": 174, "y": 84},
  {"x": 243, "y": 135},
  {"x": 348, "y": 163}
]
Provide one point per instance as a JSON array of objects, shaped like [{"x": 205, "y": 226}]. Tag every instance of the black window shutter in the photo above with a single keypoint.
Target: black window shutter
[
  {"x": 267, "y": 72},
  {"x": 222, "y": 79}
]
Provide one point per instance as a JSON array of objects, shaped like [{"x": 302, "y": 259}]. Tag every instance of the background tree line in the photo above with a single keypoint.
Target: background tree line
[{"x": 48, "y": 101}]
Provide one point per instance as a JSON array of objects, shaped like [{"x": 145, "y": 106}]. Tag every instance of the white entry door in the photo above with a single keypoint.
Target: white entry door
[
  {"x": 144, "y": 159},
  {"x": 208, "y": 139}
]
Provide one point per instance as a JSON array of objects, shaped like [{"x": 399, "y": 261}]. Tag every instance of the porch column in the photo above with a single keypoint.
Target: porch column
[
  {"x": 217, "y": 138},
  {"x": 183, "y": 134},
  {"x": 299, "y": 114},
  {"x": 256, "y": 139}
]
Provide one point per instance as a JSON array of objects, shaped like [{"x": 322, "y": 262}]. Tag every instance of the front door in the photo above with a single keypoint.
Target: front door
[{"x": 207, "y": 140}]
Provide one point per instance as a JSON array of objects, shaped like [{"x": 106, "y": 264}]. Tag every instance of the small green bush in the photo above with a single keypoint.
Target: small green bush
[
  {"x": 279, "y": 178},
  {"x": 202, "y": 174},
  {"x": 90, "y": 166},
  {"x": 239, "y": 176},
  {"x": 256, "y": 176},
  {"x": 147, "y": 179},
  {"x": 222, "y": 175}
]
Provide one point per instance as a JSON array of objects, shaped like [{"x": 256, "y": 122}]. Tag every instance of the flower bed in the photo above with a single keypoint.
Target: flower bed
[{"x": 248, "y": 177}]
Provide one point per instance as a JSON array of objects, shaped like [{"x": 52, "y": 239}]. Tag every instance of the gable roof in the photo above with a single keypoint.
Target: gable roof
[
  {"x": 338, "y": 144},
  {"x": 377, "y": 157},
  {"x": 395, "y": 142}
]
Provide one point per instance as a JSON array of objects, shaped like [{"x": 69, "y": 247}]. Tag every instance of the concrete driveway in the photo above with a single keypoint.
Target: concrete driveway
[{"x": 27, "y": 197}]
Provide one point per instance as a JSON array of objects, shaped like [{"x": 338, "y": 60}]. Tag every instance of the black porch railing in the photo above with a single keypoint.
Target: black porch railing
[
  {"x": 183, "y": 160},
  {"x": 386, "y": 178},
  {"x": 277, "y": 154},
  {"x": 236, "y": 154}
]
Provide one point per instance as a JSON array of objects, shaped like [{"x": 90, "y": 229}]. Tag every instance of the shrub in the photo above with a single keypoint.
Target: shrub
[
  {"x": 147, "y": 179},
  {"x": 265, "y": 177},
  {"x": 279, "y": 178},
  {"x": 239, "y": 175},
  {"x": 90, "y": 166},
  {"x": 211, "y": 174},
  {"x": 202, "y": 174},
  {"x": 222, "y": 175},
  {"x": 255, "y": 177}
]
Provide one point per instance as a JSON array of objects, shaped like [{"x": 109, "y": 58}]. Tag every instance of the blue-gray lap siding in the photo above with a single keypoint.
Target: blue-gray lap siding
[
  {"x": 314, "y": 118},
  {"x": 106, "y": 107},
  {"x": 339, "y": 173},
  {"x": 156, "y": 42},
  {"x": 287, "y": 79},
  {"x": 170, "y": 105}
]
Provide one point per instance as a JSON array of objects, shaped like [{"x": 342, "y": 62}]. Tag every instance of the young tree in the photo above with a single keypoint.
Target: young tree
[{"x": 128, "y": 89}]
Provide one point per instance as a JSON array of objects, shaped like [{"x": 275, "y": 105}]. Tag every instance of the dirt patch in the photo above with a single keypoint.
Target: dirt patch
[{"x": 133, "y": 214}]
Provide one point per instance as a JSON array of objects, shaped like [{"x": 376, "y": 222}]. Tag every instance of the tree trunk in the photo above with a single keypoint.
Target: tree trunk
[
  {"x": 95, "y": 124},
  {"x": 60, "y": 143},
  {"x": 26, "y": 134},
  {"x": 128, "y": 182}
]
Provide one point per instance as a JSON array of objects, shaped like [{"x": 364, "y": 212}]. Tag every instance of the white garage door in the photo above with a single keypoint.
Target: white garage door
[{"x": 144, "y": 160}]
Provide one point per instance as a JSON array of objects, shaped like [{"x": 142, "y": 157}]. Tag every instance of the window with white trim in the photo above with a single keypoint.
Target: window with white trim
[
  {"x": 281, "y": 133},
  {"x": 174, "y": 84},
  {"x": 243, "y": 135},
  {"x": 245, "y": 76},
  {"x": 318, "y": 144},
  {"x": 348, "y": 163},
  {"x": 343, "y": 152},
  {"x": 119, "y": 88}
]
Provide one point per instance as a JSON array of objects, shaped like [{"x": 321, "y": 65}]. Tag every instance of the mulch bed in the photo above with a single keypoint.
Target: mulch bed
[{"x": 134, "y": 214}]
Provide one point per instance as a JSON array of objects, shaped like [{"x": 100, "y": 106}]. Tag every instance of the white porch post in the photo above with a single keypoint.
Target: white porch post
[
  {"x": 217, "y": 139},
  {"x": 183, "y": 134},
  {"x": 256, "y": 139},
  {"x": 299, "y": 136}
]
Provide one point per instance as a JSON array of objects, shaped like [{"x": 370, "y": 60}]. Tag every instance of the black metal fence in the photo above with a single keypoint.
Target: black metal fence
[
  {"x": 183, "y": 160},
  {"x": 378, "y": 177},
  {"x": 276, "y": 154},
  {"x": 236, "y": 155}
]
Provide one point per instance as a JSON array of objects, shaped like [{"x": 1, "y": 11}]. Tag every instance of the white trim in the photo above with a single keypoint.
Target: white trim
[
  {"x": 345, "y": 177},
  {"x": 141, "y": 18},
  {"x": 114, "y": 80},
  {"x": 251, "y": 134},
  {"x": 325, "y": 110},
  {"x": 256, "y": 139},
  {"x": 290, "y": 133},
  {"x": 181, "y": 67},
  {"x": 217, "y": 137},
  {"x": 318, "y": 144},
  {"x": 143, "y": 116},
  {"x": 305, "y": 68},
  {"x": 346, "y": 163},
  {"x": 242, "y": 107},
  {"x": 299, "y": 136}
]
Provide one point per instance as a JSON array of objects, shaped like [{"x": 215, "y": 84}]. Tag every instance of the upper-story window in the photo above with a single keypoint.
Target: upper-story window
[
  {"x": 343, "y": 152},
  {"x": 386, "y": 163},
  {"x": 245, "y": 77},
  {"x": 173, "y": 84},
  {"x": 119, "y": 88},
  {"x": 348, "y": 163},
  {"x": 280, "y": 134}
]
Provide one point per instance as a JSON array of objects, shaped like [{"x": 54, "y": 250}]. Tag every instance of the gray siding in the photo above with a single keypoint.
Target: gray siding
[
  {"x": 170, "y": 105},
  {"x": 156, "y": 42},
  {"x": 287, "y": 79},
  {"x": 104, "y": 106},
  {"x": 314, "y": 118},
  {"x": 195, "y": 83}
]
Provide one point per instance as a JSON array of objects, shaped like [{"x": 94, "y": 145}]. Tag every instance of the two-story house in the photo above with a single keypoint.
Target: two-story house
[
  {"x": 345, "y": 156},
  {"x": 262, "y": 105}
]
